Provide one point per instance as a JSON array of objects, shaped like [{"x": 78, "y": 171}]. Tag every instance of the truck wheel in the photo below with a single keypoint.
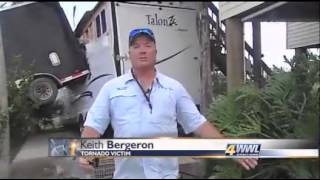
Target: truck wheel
[{"x": 43, "y": 91}]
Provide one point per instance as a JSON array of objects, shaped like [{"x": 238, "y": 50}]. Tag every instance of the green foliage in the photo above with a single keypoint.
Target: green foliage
[
  {"x": 287, "y": 107},
  {"x": 20, "y": 107},
  {"x": 220, "y": 167},
  {"x": 234, "y": 114},
  {"x": 219, "y": 83},
  {"x": 3, "y": 126},
  {"x": 3, "y": 123}
]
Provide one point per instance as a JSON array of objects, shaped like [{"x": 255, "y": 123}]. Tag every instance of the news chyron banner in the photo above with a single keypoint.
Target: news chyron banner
[{"x": 177, "y": 147}]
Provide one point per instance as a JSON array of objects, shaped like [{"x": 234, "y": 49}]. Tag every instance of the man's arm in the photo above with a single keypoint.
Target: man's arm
[
  {"x": 192, "y": 121},
  {"x": 89, "y": 132},
  {"x": 208, "y": 130},
  {"x": 97, "y": 120}
]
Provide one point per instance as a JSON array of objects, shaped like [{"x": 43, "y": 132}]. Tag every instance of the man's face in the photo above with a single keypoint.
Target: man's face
[{"x": 142, "y": 53}]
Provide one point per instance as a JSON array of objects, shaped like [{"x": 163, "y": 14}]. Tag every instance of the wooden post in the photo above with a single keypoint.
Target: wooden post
[
  {"x": 256, "y": 33},
  {"x": 205, "y": 59},
  {"x": 235, "y": 55},
  {"x": 218, "y": 28},
  {"x": 5, "y": 136},
  {"x": 300, "y": 51}
]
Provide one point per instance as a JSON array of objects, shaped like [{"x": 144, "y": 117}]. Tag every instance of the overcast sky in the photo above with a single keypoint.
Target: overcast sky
[{"x": 273, "y": 34}]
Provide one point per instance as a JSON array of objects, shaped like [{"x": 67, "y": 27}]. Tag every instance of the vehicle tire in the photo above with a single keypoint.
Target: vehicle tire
[{"x": 43, "y": 91}]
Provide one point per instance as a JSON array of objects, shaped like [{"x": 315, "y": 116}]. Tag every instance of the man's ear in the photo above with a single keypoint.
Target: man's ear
[{"x": 129, "y": 54}]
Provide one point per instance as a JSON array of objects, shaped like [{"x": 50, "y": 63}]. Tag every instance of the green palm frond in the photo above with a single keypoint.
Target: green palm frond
[{"x": 287, "y": 107}]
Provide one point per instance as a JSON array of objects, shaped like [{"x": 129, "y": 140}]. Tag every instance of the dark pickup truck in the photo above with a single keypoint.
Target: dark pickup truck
[{"x": 39, "y": 35}]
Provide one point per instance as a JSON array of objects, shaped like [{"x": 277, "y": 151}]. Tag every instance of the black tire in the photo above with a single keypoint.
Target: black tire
[{"x": 43, "y": 91}]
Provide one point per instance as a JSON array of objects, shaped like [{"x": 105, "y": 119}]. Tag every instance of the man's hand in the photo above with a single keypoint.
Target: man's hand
[
  {"x": 85, "y": 164},
  {"x": 89, "y": 132},
  {"x": 208, "y": 130},
  {"x": 248, "y": 163}
]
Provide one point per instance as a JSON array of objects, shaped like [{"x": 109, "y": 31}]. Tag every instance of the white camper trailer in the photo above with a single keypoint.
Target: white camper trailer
[
  {"x": 106, "y": 30},
  {"x": 102, "y": 70}
]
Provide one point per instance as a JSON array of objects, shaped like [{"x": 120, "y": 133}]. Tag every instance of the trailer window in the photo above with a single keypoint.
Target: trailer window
[
  {"x": 54, "y": 58},
  {"x": 98, "y": 26},
  {"x": 103, "y": 21}
]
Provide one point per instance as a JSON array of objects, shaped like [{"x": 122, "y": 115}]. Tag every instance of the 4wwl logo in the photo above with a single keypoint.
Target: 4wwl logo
[{"x": 243, "y": 149}]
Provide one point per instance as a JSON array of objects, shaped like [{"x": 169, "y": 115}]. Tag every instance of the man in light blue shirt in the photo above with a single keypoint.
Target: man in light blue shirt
[{"x": 145, "y": 103}]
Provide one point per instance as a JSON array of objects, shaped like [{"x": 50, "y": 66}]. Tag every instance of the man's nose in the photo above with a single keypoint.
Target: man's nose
[{"x": 142, "y": 51}]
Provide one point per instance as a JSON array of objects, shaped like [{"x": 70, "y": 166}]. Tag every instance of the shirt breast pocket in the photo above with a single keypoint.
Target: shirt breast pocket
[
  {"x": 125, "y": 107},
  {"x": 165, "y": 108}
]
